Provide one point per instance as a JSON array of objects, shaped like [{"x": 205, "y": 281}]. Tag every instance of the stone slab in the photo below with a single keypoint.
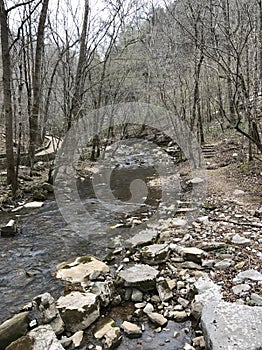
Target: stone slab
[
  {"x": 141, "y": 276},
  {"x": 81, "y": 269},
  {"x": 142, "y": 238},
  {"x": 231, "y": 326}
]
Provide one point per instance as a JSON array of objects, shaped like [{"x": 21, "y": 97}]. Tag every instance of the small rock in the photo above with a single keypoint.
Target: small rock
[
  {"x": 199, "y": 341},
  {"x": 164, "y": 291},
  {"x": 77, "y": 338},
  {"x": 33, "y": 205},
  {"x": 178, "y": 307},
  {"x": 140, "y": 305},
  {"x": 107, "y": 330},
  {"x": 209, "y": 246},
  {"x": 137, "y": 295},
  {"x": 179, "y": 316},
  {"x": 192, "y": 253},
  {"x": 208, "y": 263},
  {"x": 128, "y": 293},
  {"x": 256, "y": 299},
  {"x": 180, "y": 285},
  {"x": 148, "y": 308},
  {"x": 154, "y": 254},
  {"x": 104, "y": 290},
  {"x": 238, "y": 240},
  {"x": 131, "y": 330},
  {"x": 183, "y": 302},
  {"x": 196, "y": 180},
  {"x": 179, "y": 222},
  {"x": 157, "y": 318},
  {"x": 224, "y": 264},
  {"x": 171, "y": 283},
  {"x": 241, "y": 288},
  {"x": 65, "y": 342},
  {"x": 238, "y": 193},
  {"x": 251, "y": 274},
  {"x": 188, "y": 347},
  {"x": 142, "y": 238},
  {"x": 191, "y": 265},
  {"x": 9, "y": 230},
  {"x": 155, "y": 299},
  {"x": 202, "y": 219}
]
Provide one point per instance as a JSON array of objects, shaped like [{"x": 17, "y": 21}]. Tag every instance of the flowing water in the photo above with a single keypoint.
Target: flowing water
[{"x": 45, "y": 239}]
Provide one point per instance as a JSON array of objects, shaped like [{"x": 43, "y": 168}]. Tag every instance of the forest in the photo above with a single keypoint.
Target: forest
[
  {"x": 201, "y": 60},
  {"x": 130, "y": 174}
]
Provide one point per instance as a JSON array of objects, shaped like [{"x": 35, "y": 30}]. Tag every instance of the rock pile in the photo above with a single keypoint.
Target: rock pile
[{"x": 166, "y": 274}]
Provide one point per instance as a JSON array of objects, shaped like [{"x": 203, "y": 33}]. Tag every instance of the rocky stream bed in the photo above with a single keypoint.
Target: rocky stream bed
[{"x": 189, "y": 279}]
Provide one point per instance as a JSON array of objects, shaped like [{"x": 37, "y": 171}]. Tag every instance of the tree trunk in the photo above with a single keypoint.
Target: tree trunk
[
  {"x": 80, "y": 71},
  {"x": 11, "y": 178},
  {"x": 260, "y": 45},
  {"x": 226, "y": 15},
  {"x": 196, "y": 98},
  {"x": 34, "y": 133}
]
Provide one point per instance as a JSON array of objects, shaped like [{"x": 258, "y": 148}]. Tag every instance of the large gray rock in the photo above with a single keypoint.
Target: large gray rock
[
  {"x": 78, "y": 310},
  {"x": 40, "y": 338},
  {"x": 81, "y": 269},
  {"x": 229, "y": 326},
  {"x": 140, "y": 276},
  {"x": 44, "y": 310},
  {"x": 13, "y": 329}
]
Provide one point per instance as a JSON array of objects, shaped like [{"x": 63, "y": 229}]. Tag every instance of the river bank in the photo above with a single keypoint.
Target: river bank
[{"x": 222, "y": 245}]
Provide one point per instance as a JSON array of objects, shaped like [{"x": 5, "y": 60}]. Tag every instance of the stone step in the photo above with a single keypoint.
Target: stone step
[
  {"x": 184, "y": 204},
  {"x": 185, "y": 210},
  {"x": 208, "y": 156},
  {"x": 208, "y": 150}
]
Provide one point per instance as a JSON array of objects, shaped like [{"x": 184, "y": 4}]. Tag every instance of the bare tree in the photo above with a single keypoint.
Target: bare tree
[
  {"x": 8, "y": 110},
  {"x": 36, "y": 82}
]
